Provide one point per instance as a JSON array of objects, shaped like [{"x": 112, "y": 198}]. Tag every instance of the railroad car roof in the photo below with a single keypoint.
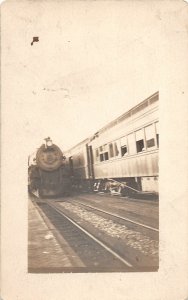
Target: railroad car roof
[{"x": 139, "y": 107}]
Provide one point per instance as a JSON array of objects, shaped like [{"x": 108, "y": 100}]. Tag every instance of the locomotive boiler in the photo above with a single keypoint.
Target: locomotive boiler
[{"x": 48, "y": 173}]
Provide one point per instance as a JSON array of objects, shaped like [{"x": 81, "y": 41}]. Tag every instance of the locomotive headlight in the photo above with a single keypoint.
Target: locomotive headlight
[{"x": 48, "y": 142}]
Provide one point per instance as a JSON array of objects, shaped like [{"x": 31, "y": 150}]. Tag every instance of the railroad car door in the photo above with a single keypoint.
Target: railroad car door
[{"x": 91, "y": 174}]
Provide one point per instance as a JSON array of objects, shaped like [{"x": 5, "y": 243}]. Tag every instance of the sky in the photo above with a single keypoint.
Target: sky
[{"x": 93, "y": 62}]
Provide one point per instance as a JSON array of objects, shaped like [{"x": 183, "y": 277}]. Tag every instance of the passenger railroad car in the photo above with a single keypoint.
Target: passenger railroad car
[{"x": 123, "y": 153}]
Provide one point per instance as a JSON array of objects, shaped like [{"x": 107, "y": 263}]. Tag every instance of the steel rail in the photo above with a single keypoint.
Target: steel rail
[
  {"x": 92, "y": 236},
  {"x": 117, "y": 216}
]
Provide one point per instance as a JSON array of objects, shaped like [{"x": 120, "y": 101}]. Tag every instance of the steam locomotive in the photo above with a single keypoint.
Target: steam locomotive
[{"x": 47, "y": 172}]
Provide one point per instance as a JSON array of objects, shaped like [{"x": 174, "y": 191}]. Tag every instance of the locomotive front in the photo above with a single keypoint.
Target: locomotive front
[
  {"x": 54, "y": 179},
  {"x": 49, "y": 157}
]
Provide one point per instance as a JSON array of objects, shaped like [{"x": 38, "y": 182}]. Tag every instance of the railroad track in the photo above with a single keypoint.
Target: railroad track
[
  {"x": 116, "y": 216},
  {"x": 139, "y": 240},
  {"x": 136, "y": 212},
  {"x": 94, "y": 253},
  {"x": 125, "y": 262},
  {"x": 97, "y": 251}
]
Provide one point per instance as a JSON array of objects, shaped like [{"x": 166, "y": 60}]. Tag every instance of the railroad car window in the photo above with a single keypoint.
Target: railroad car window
[
  {"x": 101, "y": 157},
  {"x": 131, "y": 143},
  {"x": 140, "y": 140},
  {"x": 140, "y": 146},
  {"x": 157, "y": 132},
  {"x": 150, "y": 136},
  {"x": 124, "y": 149},
  {"x": 116, "y": 151},
  {"x": 106, "y": 156},
  {"x": 111, "y": 150}
]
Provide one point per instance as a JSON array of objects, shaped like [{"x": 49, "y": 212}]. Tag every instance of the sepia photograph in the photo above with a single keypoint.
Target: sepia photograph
[
  {"x": 94, "y": 146},
  {"x": 93, "y": 170},
  {"x": 94, "y": 207}
]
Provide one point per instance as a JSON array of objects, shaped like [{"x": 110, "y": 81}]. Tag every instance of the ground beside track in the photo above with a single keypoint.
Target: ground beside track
[{"x": 48, "y": 252}]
